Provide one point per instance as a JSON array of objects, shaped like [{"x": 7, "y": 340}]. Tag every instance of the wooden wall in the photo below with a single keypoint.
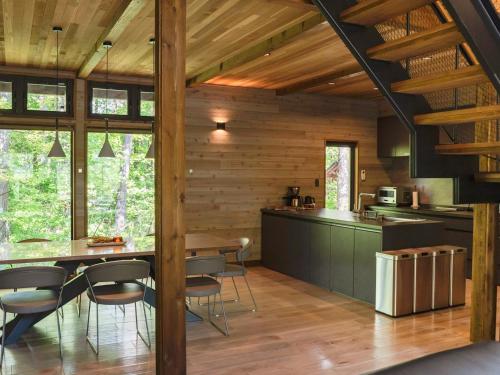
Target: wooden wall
[{"x": 270, "y": 142}]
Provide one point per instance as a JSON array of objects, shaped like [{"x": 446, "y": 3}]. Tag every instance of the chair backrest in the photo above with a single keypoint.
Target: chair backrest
[
  {"x": 199, "y": 265},
  {"x": 118, "y": 270},
  {"x": 244, "y": 252},
  {"x": 32, "y": 277},
  {"x": 27, "y": 240}
]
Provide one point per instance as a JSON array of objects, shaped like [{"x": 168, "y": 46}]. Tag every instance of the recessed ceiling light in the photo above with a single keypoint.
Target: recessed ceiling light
[
  {"x": 375, "y": 88},
  {"x": 267, "y": 54},
  {"x": 427, "y": 58},
  {"x": 331, "y": 83}
]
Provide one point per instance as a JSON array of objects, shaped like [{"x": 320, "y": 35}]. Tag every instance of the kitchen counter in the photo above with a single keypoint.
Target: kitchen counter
[
  {"x": 328, "y": 216},
  {"x": 425, "y": 210},
  {"x": 336, "y": 250}
]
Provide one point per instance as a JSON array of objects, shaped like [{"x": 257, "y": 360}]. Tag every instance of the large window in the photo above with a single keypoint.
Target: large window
[
  {"x": 5, "y": 95},
  {"x": 120, "y": 189},
  {"x": 339, "y": 176},
  {"x": 35, "y": 191}
]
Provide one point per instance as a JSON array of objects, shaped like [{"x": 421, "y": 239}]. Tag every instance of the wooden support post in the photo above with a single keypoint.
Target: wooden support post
[
  {"x": 169, "y": 146},
  {"x": 484, "y": 288},
  {"x": 79, "y": 159}
]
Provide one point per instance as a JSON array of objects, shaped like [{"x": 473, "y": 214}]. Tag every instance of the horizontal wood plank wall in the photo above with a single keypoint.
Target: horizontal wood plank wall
[{"x": 270, "y": 142}]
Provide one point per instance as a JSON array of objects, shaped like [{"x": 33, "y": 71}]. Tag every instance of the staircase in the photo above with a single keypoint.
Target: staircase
[{"x": 438, "y": 65}]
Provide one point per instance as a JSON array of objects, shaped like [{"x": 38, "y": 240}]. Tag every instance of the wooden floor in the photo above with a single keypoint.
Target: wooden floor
[{"x": 298, "y": 329}]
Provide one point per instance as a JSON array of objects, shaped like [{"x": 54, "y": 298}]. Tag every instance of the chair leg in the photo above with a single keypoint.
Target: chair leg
[
  {"x": 96, "y": 348},
  {"x": 236, "y": 289},
  {"x": 251, "y": 294},
  {"x": 148, "y": 341},
  {"x": 88, "y": 320},
  {"x": 59, "y": 334},
  {"x": 3, "y": 338}
]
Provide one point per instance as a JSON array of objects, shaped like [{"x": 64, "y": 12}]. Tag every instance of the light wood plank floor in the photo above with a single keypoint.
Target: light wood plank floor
[{"x": 298, "y": 329}]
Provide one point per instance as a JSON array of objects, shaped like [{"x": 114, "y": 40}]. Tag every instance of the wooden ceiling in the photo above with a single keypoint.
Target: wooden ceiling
[{"x": 272, "y": 44}]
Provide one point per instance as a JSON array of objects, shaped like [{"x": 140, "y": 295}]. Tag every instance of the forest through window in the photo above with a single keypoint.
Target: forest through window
[
  {"x": 338, "y": 173},
  {"x": 120, "y": 189},
  {"x": 35, "y": 191}
]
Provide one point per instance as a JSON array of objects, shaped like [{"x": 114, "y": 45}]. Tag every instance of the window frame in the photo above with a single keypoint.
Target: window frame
[{"x": 354, "y": 170}]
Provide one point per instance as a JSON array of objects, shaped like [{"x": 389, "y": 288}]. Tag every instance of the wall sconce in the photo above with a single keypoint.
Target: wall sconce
[{"x": 221, "y": 125}]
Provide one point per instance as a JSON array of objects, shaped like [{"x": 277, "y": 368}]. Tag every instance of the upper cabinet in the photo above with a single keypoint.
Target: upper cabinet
[{"x": 393, "y": 139}]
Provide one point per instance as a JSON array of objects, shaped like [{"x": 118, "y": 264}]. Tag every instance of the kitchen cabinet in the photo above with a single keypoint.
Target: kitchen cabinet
[
  {"x": 393, "y": 138},
  {"x": 319, "y": 255},
  {"x": 366, "y": 245},
  {"x": 275, "y": 241},
  {"x": 342, "y": 259},
  {"x": 297, "y": 259}
]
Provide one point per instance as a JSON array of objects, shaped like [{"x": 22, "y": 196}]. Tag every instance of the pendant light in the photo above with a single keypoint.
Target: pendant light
[
  {"x": 107, "y": 150},
  {"x": 57, "y": 151},
  {"x": 151, "y": 151}
]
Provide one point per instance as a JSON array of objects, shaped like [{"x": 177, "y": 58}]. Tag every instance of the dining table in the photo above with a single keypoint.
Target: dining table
[{"x": 72, "y": 254}]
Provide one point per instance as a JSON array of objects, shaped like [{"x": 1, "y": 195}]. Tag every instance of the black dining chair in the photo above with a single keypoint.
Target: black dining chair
[
  {"x": 49, "y": 279},
  {"x": 120, "y": 288}
]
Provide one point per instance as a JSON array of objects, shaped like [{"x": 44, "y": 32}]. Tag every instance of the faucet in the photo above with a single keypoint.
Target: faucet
[{"x": 360, "y": 207}]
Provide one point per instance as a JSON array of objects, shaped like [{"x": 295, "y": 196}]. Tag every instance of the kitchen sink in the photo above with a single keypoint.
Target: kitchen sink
[{"x": 401, "y": 220}]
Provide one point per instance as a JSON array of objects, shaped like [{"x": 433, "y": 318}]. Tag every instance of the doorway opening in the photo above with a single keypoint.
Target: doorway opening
[{"x": 340, "y": 160}]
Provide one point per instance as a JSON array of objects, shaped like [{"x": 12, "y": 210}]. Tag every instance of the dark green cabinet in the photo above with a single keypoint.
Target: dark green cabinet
[
  {"x": 393, "y": 138},
  {"x": 319, "y": 255},
  {"x": 297, "y": 259},
  {"x": 342, "y": 259},
  {"x": 366, "y": 245},
  {"x": 275, "y": 242}
]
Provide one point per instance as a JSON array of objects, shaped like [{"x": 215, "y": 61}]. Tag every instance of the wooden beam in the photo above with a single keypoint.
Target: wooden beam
[
  {"x": 321, "y": 80},
  {"x": 371, "y": 12},
  {"x": 417, "y": 44},
  {"x": 484, "y": 283},
  {"x": 35, "y": 72},
  {"x": 126, "y": 12},
  {"x": 487, "y": 177},
  {"x": 479, "y": 148},
  {"x": 170, "y": 55},
  {"x": 256, "y": 51},
  {"x": 301, "y": 4},
  {"x": 459, "y": 116},
  {"x": 468, "y": 76}
]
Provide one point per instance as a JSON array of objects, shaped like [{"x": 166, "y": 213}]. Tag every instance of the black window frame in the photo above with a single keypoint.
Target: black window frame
[
  {"x": 353, "y": 147},
  {"x": 134, "y": 100},
  {"x": 20, "y": 96}
]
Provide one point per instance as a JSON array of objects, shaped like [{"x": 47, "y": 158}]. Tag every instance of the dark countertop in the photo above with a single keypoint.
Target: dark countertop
[
  {"x": 425, "y": 210},
  {"x": 326, "y": 215}
]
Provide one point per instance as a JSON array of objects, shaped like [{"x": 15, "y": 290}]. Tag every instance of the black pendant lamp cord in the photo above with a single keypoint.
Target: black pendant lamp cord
[{"x": 57, "y": 82}]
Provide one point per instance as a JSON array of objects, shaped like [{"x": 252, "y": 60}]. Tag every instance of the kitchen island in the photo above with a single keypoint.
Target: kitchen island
[{"x": 335, "y": 249}]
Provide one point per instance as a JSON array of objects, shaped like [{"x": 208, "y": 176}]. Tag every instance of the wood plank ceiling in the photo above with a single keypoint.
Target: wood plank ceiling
[{"x": 304, "y": 52}]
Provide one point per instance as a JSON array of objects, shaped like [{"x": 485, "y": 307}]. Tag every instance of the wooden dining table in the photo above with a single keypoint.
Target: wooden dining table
[{"x": 72, "y": 254}]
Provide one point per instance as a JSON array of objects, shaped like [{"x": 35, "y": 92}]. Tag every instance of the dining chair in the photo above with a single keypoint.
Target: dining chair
[
  {"x": 124, "y": 290},
  {"x": 238, "y": 270},
  {"x": 50, "y": 278},
  {"x": 200, "y": 284}
]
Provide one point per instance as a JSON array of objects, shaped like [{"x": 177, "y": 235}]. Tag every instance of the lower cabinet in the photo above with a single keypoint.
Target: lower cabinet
[
  {"x": 366, "y": 245},
  {"x": 319, "y": 257},
  {"x": 275, "y": 242},
  {"x": 342, "y": 260},
  {"x": 298, "y": 253}
]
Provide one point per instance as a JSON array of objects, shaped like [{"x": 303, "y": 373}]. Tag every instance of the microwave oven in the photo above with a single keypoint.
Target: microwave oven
[{"x": 394, "y": 196}]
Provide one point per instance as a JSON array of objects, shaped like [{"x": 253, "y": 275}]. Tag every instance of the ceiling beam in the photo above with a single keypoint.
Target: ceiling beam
[
  {"x": 302, "y": 4},
  {"x": 123, "y": 17},
  {"x": 256, "y": 51},
  {"x": 319, "y": 81}
]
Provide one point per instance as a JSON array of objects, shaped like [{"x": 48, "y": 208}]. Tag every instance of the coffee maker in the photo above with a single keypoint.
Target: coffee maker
[{"x": 293, "y": 198}]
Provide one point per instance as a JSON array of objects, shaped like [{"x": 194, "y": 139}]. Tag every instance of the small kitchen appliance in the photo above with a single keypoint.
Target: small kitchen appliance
[
  {"x": 394, "y": 196},
  {"x": 293, "y": 198}
]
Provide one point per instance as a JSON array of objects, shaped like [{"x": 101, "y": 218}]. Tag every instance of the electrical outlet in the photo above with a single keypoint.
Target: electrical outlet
[
  {"x": 363, "y": 175},
  {"x": 316, "y": 182}
]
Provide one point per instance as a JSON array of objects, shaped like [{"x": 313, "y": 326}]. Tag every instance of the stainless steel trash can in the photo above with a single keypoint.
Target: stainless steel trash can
[
  {"x": 458, "y": 261},
  {"x": 422, "y": 280},
  {"x": 440, "y": 277},
  {"x": 394, "y": 283}
]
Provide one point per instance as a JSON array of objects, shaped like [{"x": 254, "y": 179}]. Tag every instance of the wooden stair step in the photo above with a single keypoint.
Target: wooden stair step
[
  {"x": 417, "y": 44},
  {"x": 459, "y": 116},
  {"x": 371, "y": 12},
  {"x": 470, "y": 75},
  {"x": 482, "y": 148},
  {"x": 487, "y": 177}
]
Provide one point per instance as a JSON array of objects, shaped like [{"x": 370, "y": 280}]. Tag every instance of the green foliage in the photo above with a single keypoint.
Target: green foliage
[
  {"x": 332, "y": 157},
  {"x": 38, "y": 188},
  {"x": 147, "y": 108},
  {"x": 5, "y": 100},
  {"x": 114, "y": 106},
  {"x": 104, "y": 177}
]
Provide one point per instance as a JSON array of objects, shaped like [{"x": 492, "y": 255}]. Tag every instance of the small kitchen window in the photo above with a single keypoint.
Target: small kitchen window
[{"x": 339, "y": 175}]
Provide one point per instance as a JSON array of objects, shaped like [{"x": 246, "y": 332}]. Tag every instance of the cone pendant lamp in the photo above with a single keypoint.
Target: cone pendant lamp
[
  {"x": 107, "y": 150},
  {"x": 56, "y": 150}
]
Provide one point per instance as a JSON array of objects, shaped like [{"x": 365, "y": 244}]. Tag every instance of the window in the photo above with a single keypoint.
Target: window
[
  {"x": 147, "y": 105},
  {"x": 339, "y": 176},
  {"x": 117, "y": 102},
  {"x": 35, "y": 191},
  {"x": 46, "y": 97},
  {"x": 6, "y": 95},
  {"x": 120, "y": 189}
]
